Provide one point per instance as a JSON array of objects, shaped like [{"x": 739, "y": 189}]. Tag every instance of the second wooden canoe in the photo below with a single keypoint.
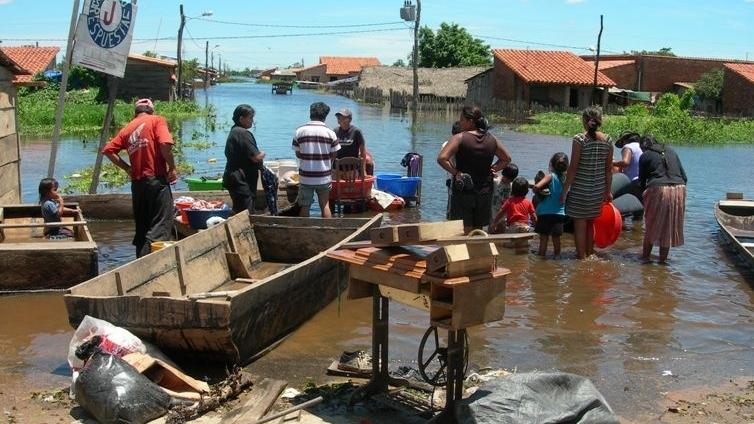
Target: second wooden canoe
[{"x": 736, "y": 220}]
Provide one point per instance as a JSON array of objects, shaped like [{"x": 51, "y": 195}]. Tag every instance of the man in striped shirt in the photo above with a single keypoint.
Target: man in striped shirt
[{"x": 316, "y": 147}]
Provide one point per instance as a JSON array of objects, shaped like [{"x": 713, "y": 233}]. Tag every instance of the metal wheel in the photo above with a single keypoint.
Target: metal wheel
[{"x": 433, "y": 358}]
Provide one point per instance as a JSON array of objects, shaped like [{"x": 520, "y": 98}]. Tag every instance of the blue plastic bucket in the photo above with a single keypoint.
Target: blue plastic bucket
[
  {"x": 400, "y": 186},
  {"x": 198, "y": 218}
]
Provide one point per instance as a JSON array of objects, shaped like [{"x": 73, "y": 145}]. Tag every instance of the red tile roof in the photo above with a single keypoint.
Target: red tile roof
[
  {"x": 344, "y": 65},
  {"x": 9, "y": 63},
  {"x": 33, "y": 59},
  {"x": 551, "y": 67},
  {"x": 607, "y": 64},
  {"x": 746, "y": 70}
]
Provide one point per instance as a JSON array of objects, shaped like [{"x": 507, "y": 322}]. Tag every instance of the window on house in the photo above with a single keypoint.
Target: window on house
[
  {"x": 333, "y": 79},
  {"x": 314, "y": 79}
]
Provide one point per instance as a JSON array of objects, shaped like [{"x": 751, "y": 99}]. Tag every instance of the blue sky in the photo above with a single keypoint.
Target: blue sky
[{"x": 721, "y": 28}]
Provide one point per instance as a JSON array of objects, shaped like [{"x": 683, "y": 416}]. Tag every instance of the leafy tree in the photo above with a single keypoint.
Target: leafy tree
[
  {"x": 150, "y": 53},
  {"x": 710, "y": 84},
  {"x": 665, "y": 51},
  {"x": 451, "y": 45},
  {"x": 400, "y": 63},
  {"x": 687, "y": 99},
  {"x": 669, "y": 104},
  {"x": 190, "y": 69}
]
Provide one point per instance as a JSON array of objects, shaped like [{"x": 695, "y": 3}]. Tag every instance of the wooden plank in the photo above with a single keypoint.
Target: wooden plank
[
  {"x": 414, "y": 233},
  {"x": 459, "y": 252},
  {"x": 379, "y": 274},
  {"x": 7, "y": 121},
  {"x": 473, "y": 266},
  {"x": 180, "y": 265},
  {"x": 446, "y": 241},
  {"x": 384, "y": 235},
  {"x": 44, "y": 224},
  {"x": 8, "y": 149},
  {"x": 7, "y": 95},
  {"x": 453, "y": 281},
  {"x": 358, "y": 289},
  {"x": 236, "y": 266},
  {"x": 9, "y": 179},
  {"x": 118, "y": 284},
  {"x": 415, "y": 300},
  {"x": 263, "y": 395}
]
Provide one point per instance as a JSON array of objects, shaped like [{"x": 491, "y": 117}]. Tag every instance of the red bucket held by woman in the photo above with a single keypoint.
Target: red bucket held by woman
[{"x": 607, "y": 226}]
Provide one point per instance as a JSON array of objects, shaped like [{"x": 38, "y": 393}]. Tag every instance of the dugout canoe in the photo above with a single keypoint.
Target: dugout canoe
[
  {"x": 227, "y": 293},
  {"x": 29, "y": 261},
  {"x": 736, "y": 220}
]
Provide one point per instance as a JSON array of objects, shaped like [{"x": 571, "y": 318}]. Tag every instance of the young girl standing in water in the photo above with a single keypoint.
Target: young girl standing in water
[{"x": 550, "y": 212}]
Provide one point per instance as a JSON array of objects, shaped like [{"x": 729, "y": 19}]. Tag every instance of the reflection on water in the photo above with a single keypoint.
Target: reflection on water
[{"x": 611, "y": 319}]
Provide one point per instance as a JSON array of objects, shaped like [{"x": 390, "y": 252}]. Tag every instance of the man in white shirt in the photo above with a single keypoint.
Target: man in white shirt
[{"x": 316, "y": 147}]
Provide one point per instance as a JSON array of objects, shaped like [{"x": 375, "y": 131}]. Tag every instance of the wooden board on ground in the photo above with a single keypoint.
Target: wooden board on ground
[
  {"x": 459, "y": 252},
  {"x": 263, "y": 395}
]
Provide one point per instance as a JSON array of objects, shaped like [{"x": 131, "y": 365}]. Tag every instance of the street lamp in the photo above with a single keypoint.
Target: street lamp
[{"x": 180, "y": 45}]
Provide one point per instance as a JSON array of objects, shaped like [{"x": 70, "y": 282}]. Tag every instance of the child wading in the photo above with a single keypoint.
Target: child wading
[
  {"x": 550, "y": 212},
  {"x": 53, "y": 209},
  {"x": 516, "y": 211}
]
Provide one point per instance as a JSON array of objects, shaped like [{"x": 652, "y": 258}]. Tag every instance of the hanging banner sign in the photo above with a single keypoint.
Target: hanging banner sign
[{"x": 103, "y": 35}]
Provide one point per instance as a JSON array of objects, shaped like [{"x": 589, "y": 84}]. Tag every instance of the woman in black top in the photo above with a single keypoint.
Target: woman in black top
[
  {"x": 662, "y": 176},
  {"x": 474, "y": 150},
  {"x": 244, "y": 161}
]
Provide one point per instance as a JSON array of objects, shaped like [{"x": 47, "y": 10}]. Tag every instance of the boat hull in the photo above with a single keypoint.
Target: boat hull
[
  {"x": 233, "y": 328},
  {"x": 29, "y": 262},
  {"x": 736, "y": 221}
]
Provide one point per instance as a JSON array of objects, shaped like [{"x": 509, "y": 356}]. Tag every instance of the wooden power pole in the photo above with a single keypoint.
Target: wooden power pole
[
  {"x": 415, "y": 97},
  {"x": 206, "y": 65},
  {"x": 178, "y": 56},
  {"x": 597, "y": 63}
]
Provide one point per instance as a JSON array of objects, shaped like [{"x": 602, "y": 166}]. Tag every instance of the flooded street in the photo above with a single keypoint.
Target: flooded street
[{"x": 612, "y": 319}]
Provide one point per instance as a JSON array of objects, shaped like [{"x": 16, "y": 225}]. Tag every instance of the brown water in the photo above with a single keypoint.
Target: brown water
[{"x": 612, "y": 319}]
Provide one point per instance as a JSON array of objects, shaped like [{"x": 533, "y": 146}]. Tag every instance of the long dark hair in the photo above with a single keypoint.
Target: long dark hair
[
  {"x": 559, "y": 164},
  {"x": 593, "y": 118},
  {"x": 46, "y": 186},
  {"x": 474, "y": 114}
]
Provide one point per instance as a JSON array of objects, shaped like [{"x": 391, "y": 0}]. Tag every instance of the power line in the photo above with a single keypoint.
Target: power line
[
  {"x": 296, "y": 26},
  {"x": 535, "y": 43}
]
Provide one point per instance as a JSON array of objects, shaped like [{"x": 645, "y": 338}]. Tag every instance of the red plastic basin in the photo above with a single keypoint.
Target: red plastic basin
[{"x": 607, "y": 226}]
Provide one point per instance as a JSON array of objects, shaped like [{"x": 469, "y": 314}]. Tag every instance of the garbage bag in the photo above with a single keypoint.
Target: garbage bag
[
  {"x": 115, "y": 340},
  {"x": 537, "y": 397},
  {"x": 113, "y": 391}
]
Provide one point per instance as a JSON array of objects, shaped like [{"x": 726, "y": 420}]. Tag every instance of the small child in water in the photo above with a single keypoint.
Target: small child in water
[
  {"x": 516, "y": 211},
  {"x": 550, "y": 212},
  {"x": 53, "y": 209},
  {"x": 502, "y": 186}
]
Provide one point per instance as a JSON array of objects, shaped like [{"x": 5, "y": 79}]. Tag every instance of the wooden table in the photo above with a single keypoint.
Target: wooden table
[{"x": 454, "y": 304}]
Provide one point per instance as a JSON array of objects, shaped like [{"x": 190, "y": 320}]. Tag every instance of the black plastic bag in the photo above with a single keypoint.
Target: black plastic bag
[{"x": 112, "y": 391}]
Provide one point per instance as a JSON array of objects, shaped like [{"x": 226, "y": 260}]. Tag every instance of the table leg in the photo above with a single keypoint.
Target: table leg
[
  {"x": 380, "y": 326},
  {"x": 455, "y": 377}
]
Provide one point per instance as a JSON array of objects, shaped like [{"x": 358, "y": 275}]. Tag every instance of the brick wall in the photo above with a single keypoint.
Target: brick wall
[
  {"x": 738, "y": 95},
  {"x": 659, "y": 73},
  {"x": 624, "y": 75}
]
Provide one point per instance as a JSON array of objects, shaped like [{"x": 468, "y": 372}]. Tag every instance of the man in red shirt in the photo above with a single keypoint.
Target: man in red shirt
[{"x": 152, "y": 169}]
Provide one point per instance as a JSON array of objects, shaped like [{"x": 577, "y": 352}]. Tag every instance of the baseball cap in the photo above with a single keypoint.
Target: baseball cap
[
  {"x": 144, "y": 102},
  {"x": 344, "y": 112}
]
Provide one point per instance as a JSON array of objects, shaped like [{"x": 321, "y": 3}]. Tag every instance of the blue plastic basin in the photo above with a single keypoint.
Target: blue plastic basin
[
  {"x": 398, "y": 185},
  {"x": 198, "y": 218}
]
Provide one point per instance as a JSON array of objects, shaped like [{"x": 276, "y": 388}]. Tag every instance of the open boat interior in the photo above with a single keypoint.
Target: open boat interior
[
  {"x": 737, "y": 218},
  {"x": 25, "y": 224}
]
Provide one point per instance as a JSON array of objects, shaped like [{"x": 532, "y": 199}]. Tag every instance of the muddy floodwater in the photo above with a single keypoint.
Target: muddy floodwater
[{"x": 635, "y": 330}]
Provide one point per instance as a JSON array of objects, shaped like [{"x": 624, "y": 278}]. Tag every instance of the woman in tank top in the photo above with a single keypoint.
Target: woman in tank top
[
  {"x": 474, "y": 149},
  {"x": 588, "y": 180}
]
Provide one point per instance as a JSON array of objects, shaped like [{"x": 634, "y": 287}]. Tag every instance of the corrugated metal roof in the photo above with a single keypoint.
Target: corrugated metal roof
[{"x": 551, "y": 67}]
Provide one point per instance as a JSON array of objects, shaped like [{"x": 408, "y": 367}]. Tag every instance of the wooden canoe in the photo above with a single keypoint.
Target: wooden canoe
[
  {"x": 118, "y": 206},
  {"x": 29, "y": 261},
  {"x": 227, "y": 293},
  {"x": 736, "y": 220}
]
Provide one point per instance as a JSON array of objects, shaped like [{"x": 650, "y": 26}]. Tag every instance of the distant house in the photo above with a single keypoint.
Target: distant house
[
  {"x": 738, "y": 89},
  {"x": 33, "y": 59},
  {"x": 557, "y": 78},
  {"x": 434, "y": 83},
  {"x": 288, "y": 74},
  {"x": 10, "y": 158},
  {"x": 148, "y": 77},
  {"x": 333, "y": 68}
]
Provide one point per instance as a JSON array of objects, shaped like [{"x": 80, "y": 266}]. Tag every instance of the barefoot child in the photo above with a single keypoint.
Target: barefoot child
[
  {"x": 502, "y": 187},
  {"x": 550, "y": 212},
  {"x": 53, "y": 209},
  {"x": 516, "y": 211}
]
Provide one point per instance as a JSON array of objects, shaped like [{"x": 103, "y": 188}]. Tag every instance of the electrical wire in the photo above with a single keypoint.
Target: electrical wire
[{"x": 296, "y": 26}]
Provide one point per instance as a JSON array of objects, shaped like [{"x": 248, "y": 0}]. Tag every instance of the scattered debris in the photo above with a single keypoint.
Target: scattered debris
[{"x": 228, "y": 389}]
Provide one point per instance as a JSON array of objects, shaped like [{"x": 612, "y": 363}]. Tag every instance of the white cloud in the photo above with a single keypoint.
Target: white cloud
[
  {"x": 2, "y": 2},
  {"x": 582, "y": 1}
]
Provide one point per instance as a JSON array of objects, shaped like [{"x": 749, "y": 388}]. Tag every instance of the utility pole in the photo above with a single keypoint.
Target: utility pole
[
  {"x": 212, "y": 59},
  {"x": 597, "y": 62},
  {"x": 206, "y": 65},
  {"x": 180, "y": 61},
  {"x": 415, "y": 100},
  {"x": 220, "y": 65}
]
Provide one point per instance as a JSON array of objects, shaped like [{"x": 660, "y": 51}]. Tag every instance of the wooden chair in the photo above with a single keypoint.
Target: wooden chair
[{"x": 346, "y": 173}]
